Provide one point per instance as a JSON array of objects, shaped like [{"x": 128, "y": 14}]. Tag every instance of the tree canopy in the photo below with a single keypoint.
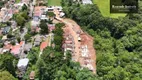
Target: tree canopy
[
  {"x": 5, "y": 75},
  {"x": 8, "y": 62},
  {"x": 43, "y": 26},
  {"x": 117, "y": 41},
  {"x": 52, "y": 65}
]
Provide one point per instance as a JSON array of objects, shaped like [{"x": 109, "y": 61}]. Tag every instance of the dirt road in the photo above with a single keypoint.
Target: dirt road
[{"x": 74, "y": 29}]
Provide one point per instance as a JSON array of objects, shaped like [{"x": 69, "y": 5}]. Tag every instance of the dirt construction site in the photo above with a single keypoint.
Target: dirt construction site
[{"x": 82, "y": 44}]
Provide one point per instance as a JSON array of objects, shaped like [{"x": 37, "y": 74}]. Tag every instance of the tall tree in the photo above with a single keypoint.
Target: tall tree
[
  {"x": 8, "y": 62},
  {"x": 43, "y": 26}
]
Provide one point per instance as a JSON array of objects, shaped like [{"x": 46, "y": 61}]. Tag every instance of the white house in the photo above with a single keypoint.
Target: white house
[
  {"x": 22, "y": 63},
  {"x": 87, "y": 2}
]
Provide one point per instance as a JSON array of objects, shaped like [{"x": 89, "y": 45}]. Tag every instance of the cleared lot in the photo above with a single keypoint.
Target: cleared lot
[{"x": 104, "y": 6}]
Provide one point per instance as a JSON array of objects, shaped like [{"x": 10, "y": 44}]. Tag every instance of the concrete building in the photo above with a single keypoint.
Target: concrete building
[
  {"x": 86, "y": 2},
  {"x": 22, "y": 65}
]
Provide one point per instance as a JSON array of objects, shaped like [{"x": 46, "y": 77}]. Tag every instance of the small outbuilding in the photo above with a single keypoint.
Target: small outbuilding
[
  {"x": 22, "y": 64},
  {"x": 32, "y": 75}
]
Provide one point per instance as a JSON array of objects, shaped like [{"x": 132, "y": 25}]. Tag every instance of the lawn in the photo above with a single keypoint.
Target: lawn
[
  {"x": 104, "y": 6},
  {"x": 17, "y": 1},
  {"x": 54, "y": 2}
]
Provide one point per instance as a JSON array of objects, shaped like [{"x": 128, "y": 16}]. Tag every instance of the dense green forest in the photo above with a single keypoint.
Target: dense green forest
[
  {"x": 8, "y": 66},
  {"x": 118, "y": 42}
]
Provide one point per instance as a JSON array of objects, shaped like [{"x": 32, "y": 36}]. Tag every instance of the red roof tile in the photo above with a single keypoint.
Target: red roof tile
[
  {"x": 8, "y": 46},
  {"x": 15, "y": 49},
  {"x": 43, "y": 45},
  {"x": 21, "y": 43}
]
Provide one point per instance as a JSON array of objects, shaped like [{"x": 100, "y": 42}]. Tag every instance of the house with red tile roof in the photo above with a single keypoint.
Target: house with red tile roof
[
  {"x": 43, "y": 45},
  {"x": 17, "y": 49}
]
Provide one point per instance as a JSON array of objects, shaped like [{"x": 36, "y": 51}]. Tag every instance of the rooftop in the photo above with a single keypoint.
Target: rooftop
[
  {"x": 32, "y": 75},
  {"x": 15, "y": 49},
  {"x": 43, "y": 45},
  {"x": 87, "y": 2},
  {"x": 23, "y": 62}
]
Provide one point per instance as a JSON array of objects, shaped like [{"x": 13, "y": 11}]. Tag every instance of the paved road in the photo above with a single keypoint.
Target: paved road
[{"x": 31, "y": 10}]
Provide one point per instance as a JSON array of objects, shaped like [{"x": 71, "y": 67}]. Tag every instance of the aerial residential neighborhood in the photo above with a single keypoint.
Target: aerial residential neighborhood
[
  {"x": 18, "y": 41},
  {"x": 69, "y": 40}
]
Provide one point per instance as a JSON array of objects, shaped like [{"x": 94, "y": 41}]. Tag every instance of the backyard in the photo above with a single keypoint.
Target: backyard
[
  {"x": 105, "y": 10},
  {"x": 54, "y": 2}
]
